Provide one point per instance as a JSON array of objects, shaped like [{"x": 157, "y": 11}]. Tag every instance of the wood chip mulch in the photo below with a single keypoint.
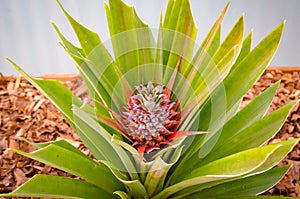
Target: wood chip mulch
[
  {"x": 289, "y": 90},
  {"x": 25, "y": 112}
]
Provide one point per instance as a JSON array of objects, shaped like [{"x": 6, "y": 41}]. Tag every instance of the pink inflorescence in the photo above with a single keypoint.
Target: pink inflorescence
[{"x": 150, "y": 118}]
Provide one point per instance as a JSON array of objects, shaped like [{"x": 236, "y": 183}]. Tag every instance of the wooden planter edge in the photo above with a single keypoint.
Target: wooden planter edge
[
  {"x": 72, "y": 76},
  {"x": 68, "y": 77},
  {"x": 284, "y": 68}
]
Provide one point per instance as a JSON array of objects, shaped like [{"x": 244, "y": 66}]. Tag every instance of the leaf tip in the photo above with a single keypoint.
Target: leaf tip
[
  {"x": 11, "y": 61},
  {"x": 106, "y": 6},
  {"x": 59, "y": 3},
  {"x": 281, "y": 26},
  {"x": 277, "y": 83},
  {"x": 63, "y": 9},
  {"x": 225, "y": 8},
  {"x": 7, "y": 58},
  {"x": 54, "y": 25}
]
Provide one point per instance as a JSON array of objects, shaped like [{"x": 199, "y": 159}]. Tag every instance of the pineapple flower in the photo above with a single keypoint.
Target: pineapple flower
[
  {"x": 151, "y": 116},
  {"x": 150, "y": 120}
]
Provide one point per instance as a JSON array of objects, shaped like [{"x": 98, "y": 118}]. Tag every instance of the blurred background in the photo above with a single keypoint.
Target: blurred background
[{"x": 28, "y": 38}]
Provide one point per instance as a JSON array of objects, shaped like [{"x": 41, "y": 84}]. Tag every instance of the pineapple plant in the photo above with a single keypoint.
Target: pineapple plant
[{"x": 166, "y": 119}]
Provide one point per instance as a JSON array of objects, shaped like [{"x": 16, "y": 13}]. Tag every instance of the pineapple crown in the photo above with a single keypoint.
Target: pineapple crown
[{"x": 150, "y": 117}]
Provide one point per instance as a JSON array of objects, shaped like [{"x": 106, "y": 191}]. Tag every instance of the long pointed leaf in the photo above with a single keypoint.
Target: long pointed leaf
[
  {"x": 250, "y": 186},
  {"x": 212, "y": 41},
  {"x": 131, "y": 38},
  {"x": 58, "y": 187},
  {"x": 100, "y": 143},
  {"x": 255, "y": 135},
  {"x": 91, "y": 82},
  {"x": 284, "y": 148},
  {"x": 246, "y": 49},
  {"x": 156, "y": 176},
  {"x": 134, "y": 187},
  {"x": 234, "y": 38},
  {"x": 94, "y": 62},
  {"x": 243, "y": 119},
  {"x": 76, "y": 164},
  {"x": 88, "y": 39},
  {"x": 245, "y": 74},
  {"x": 178, "y": 35},
  {"x": 229, "y": 167},
  {"x": 254, "y": 111},
  {"x": 278, "y": 155}
]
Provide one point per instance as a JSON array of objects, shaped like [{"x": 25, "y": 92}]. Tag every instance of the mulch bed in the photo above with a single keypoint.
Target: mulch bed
[{"x": 25, "y": 112}]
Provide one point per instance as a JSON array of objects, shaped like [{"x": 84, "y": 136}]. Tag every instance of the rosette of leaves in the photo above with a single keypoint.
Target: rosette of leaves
[{"x": 165, "y": 120}]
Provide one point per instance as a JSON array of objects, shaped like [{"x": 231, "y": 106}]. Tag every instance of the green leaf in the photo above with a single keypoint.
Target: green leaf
[
  {"x": 76, "y": 164},
  {"x": 61, "y": 143},
  {"x": 145, "y": 41},
  {"x": 232, "y": 41},
  {"x": 243, "y": 119},
  {"x": 253, "y": 136},
  {"x": 95, "y": 137},
  {"x": 158, "y": 171},
  {"x": 212, "y": 79},
  {"x": 283, "y": 148},
  {"x": 97, "y": 67},
  {"x": 208, "y": 47},
  {"x": 204, "y": 65},
  {"x": 211, "y": 74},
  {"x": 244, "y": 75},
  {"x": 134, "y": 187},
  {"x": 235, "y": 164},
  {"x": 212, "y": 41},
  {"x": 249, "y": 186},
  {"x": 254, "y": 111},
  {"x": 229, "y": 167},
  {"x": 155, "y": 178},
  {"x": 251, "y": 113},
  {"x": 178, "y": 35},
  {"x": 277, "y": 156},
  {"x": 92, "y": 78},
  {"x": 257, "y": 197},
  {"x": 72, "y": 50},
  {"x": 100, "y": 143},
  {"x": 88, "y": 39},
  {"x": 159, "y": 54},
  {"x": 122, "y": 195},
  {"x": 131, "y": 38},
  {"x": 58, "y": 187},
  {"x": 234, "y": 38},
  {"x": 55, "y": 91},
  {"x": 246, "y": 49}
]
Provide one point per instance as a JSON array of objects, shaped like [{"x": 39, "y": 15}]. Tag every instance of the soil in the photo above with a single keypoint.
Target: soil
[{"x": 25, "y": 112}]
